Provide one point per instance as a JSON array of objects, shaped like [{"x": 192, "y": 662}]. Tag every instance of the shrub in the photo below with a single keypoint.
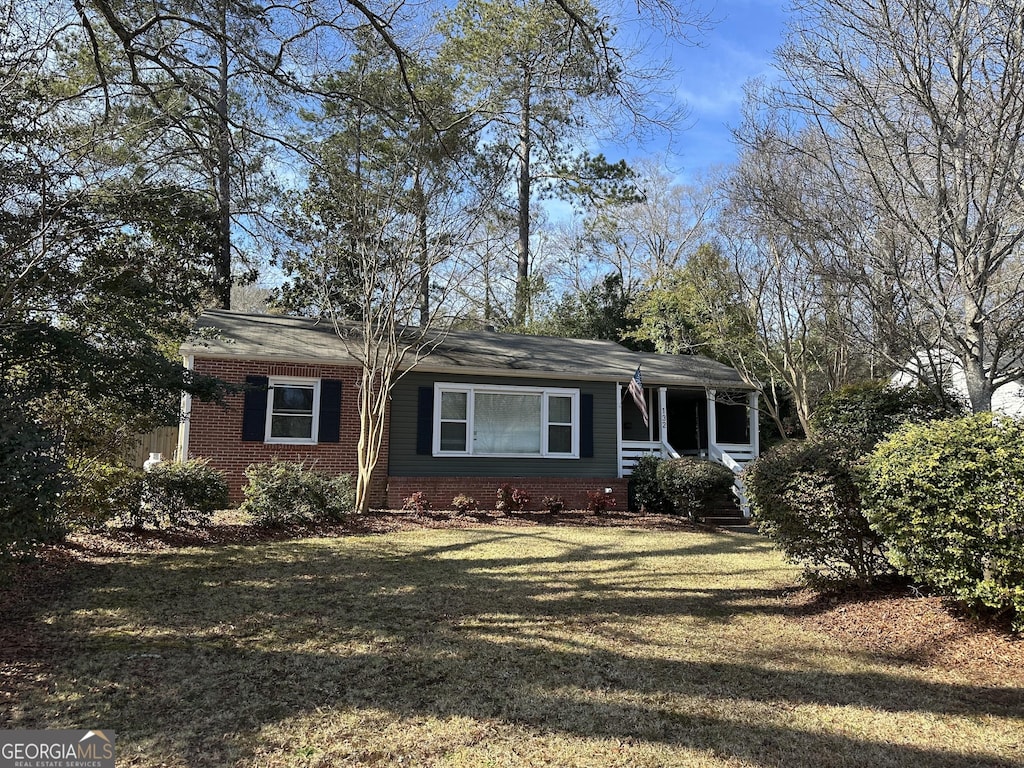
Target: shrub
[
  {"x": 31, "y": 482},
  {"x": 553, "y": 504},
  {"x": 463, "y": 503},
  {"x": 416, "y": 501},
  {"x": 284, "y": 492},
  {"x": 600, "y": 501},
  {"x": 692, "y": 485},
  {"x": 509, "y": 498},
  {"x": 184, "y": 492},
  {"x": 804, "y": 496},
  {"x": 949, "y": 499},
  {"x": 101, "y": 493},
  {"x": 857, "y": 416},
  {"x": 645, "y": 490}
]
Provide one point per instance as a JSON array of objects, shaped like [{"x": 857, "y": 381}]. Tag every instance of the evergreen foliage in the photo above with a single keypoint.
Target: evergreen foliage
[
  {"x": 693, "y": 486},
  {"x": 804, "y": 496},
  {"x": 948, "y": 498},
  {"x": 283, "y": 492}
]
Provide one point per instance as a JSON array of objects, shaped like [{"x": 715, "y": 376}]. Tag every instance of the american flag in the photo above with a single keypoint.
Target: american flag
[{"x": 636, "y": 389}]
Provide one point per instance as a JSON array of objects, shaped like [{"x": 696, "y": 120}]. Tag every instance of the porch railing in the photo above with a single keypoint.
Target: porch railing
[
  {"x": 634, "y": 450},
  {"x": 735, "y": 458}
]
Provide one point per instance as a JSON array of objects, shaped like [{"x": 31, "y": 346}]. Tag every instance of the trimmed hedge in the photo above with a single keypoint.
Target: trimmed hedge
[
  {"x": 804, "y": 496},
  {"x": 284, "y": 492},
  {"x": 949, "y": 499},
  {"x": 691, "y": 486},
  {"x": 644, "y": 489},
  {"x": 184, "y": 493}
]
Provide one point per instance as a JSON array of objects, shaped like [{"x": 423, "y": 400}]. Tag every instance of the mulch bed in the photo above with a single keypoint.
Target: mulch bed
[{"x": 922, "y": 630}]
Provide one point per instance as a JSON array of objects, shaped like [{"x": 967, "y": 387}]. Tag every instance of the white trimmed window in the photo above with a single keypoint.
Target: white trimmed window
[
  {"x": 491, "y": 420},
  {"x": 293, "y": 410}
]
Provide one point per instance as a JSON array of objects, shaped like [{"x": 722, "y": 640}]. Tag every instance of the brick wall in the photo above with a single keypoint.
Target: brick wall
[
  {"x": 215, "y": 432},
  {"x": 440, "y": 490}
]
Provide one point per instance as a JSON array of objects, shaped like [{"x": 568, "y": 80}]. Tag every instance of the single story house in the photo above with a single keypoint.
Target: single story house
[{"x": 550, "y": 415}]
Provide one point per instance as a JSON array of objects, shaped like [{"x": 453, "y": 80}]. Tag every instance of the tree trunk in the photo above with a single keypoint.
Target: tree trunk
[
  {"x": 423, "y": 249},
  {"x": 222, "y": 265},
  {"x": 523, "y": 243}
]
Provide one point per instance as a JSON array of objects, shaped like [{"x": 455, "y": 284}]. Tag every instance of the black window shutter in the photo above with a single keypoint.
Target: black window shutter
[
  {"x": 587, "y": 426},
  {"x": 425, "y": 421},
  {"x": 254, "y": 411},
  {"x": 329, "y": 430}
]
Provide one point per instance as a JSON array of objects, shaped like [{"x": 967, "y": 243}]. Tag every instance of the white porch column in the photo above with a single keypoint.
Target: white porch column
[
  {"x": 618, "y": 428},
  {"x": 185, "y": 416},
  {"x": 712, "y": 419},
  {"x": 663, "y": 414},
  {"x": 755, "y": 434}
]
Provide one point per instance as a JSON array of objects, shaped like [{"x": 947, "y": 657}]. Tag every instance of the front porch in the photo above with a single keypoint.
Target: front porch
[{"x": 707, "y": 423}]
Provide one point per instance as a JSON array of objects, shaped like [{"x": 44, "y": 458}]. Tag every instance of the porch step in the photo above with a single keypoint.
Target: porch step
[{"x": 726, "y": 521}]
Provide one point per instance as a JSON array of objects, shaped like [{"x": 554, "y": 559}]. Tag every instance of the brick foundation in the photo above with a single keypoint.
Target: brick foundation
[{"x": 439, "y": 491}]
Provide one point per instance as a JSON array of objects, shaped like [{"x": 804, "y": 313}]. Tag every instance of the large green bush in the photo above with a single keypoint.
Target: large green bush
[
  {"x": 100, "y": 493},
  {"x": 857, "y": 416},
  {"x": 644, "y": 490},
  {"x": 692, "y": 486},
  {"x": 184, "y": 492},
  {"x": 949, "y": 499},
  {"x": 804, "y": 497},
  {"x": 283, "y": 492},
  {"x": 31, "y": 482}
]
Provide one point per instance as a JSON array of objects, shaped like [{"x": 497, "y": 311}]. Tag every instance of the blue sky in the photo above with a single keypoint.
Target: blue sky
[{"x": 711, "y": 75}]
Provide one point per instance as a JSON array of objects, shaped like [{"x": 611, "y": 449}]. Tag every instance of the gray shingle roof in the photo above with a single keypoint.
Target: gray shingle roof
[{"x": 295, "y": 339}]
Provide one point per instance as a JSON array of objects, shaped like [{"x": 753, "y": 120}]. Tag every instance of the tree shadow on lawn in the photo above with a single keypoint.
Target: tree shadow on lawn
[{"x": 197, "y": 651}]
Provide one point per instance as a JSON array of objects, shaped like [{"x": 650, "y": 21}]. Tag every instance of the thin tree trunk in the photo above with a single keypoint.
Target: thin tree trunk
[
  {"x": 523, "y": 242},
  {"x": 424, "y": 253},
  {"x": 223, "y": 261}
]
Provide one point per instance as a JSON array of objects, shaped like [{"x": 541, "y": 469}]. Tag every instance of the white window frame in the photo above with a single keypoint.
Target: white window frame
[
  {"x": 292, "y": 381},
  {"x": 544, "y": 393}
]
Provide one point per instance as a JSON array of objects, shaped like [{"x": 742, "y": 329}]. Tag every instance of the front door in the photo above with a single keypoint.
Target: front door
[{"x": 687, "y": 420}]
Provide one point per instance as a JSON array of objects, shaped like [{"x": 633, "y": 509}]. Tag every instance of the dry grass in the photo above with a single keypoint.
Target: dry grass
[{"x": 492, "y": 646}]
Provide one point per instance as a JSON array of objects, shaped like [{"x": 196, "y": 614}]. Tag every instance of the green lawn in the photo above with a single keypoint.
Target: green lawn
[{"x": 487, "y": 647}]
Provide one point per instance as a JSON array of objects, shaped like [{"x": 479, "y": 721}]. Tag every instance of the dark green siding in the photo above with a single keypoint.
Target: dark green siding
[{"x": 405, "y": 462}]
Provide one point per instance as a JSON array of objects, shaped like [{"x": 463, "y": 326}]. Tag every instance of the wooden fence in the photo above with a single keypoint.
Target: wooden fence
[{"x": 163, "y": 440}]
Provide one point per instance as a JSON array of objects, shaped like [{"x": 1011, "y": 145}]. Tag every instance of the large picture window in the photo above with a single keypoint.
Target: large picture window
[
  {"x": 293, "y": 406},
  {"x": 489, "y": 420}
]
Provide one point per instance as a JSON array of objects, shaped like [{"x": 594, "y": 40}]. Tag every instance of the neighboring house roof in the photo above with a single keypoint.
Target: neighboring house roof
[{"x": 296, "y": 339}]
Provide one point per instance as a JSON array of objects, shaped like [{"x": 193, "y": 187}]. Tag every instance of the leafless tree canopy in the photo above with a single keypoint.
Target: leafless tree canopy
[{"x": 910, "y": 114}]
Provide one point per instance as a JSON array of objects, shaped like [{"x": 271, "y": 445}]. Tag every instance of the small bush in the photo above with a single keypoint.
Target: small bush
[
  {"x": 949, "y": 499},
  {"x": 463, "y": 503},
  {"x": 417, "y": 502},
  {"x": 184, "y": 492},
  {"x": 511, "y": 499},
  {"x": 645, "y": 489},
  {"x": 804, "y": 497},
  {"x": 691, "y": 486},
  {"x": 102, "y": 493},
  {"x": 283, "y": 492},
  {"x": 600, "y": 501},
  {"x": 857, "y": 416},
  {"x": 553, "y": 504}
]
